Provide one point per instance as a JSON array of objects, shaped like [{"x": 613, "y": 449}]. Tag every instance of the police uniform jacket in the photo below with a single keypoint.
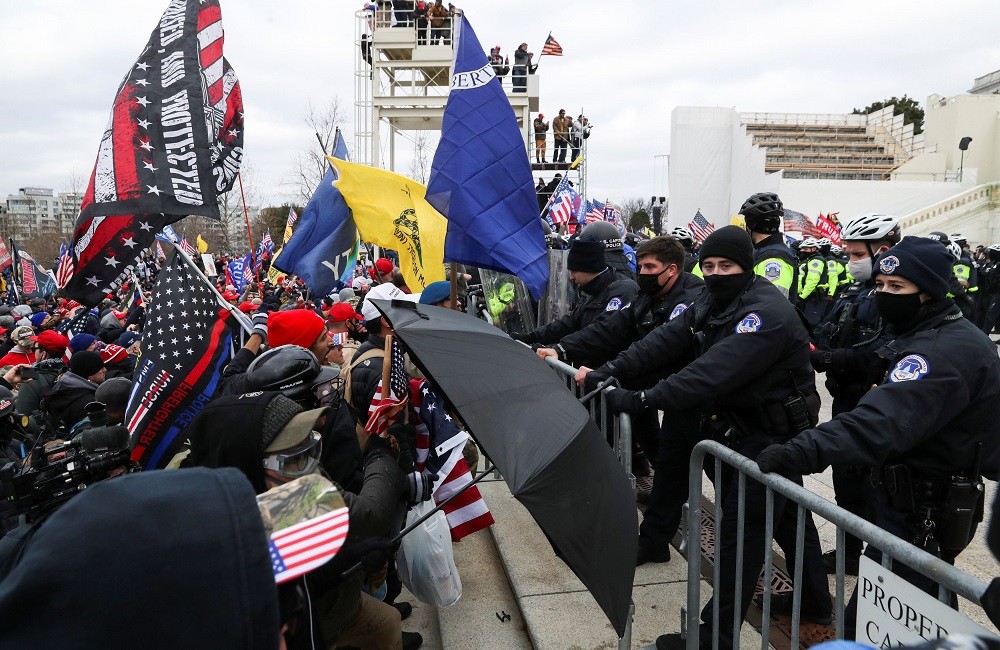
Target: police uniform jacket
[
  {"x": 603, "y": 339},
  {"x": 776, "y": 262},
  {"x": 937, "y": 400},
  {"x": 605, "y": 294},
  {"x": 853, "y": 332},
  {"x": 752, "y": 354}
]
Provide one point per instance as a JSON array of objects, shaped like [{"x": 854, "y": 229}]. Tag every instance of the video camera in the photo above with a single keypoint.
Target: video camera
[{"x": 54, "y": 474}]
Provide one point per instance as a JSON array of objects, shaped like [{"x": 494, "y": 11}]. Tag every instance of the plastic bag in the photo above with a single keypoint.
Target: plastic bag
[{"x": 425, "y": 562}]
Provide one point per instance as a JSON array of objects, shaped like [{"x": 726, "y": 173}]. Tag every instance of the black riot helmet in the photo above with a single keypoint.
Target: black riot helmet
[
  {"x": 937, "y": 235},
  {"x": 289, "y": 369},
  {"x": 763, "y": 212},
  {"x": 614, "y": 249}
]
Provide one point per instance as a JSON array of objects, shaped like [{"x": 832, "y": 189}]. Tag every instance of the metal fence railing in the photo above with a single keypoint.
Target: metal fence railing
[
  {"x": 950, "y": 579},
  {"x": 617, "y": 428}
]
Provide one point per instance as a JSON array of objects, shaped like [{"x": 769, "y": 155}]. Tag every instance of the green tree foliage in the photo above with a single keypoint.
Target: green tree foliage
[
  {"x": 274, "y": 219},
  {"x": 910, "y": 109},
  {"x": 639, "y": 220}
]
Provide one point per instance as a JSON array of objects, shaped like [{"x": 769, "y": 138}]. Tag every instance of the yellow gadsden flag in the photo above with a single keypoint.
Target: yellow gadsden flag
[
  {"x": 202, "y": 244},
  {"x": 390, "y": 211}
]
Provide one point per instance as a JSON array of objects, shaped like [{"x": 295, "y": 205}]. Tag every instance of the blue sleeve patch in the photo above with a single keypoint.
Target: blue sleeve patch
[
  {"x": 772, "y": 270},
  {"x": 909, "y": 368},
  {"x": 750, "y": 323},
  {"x": 614, "y": 304},
  {"x": 678, "y": 310}
]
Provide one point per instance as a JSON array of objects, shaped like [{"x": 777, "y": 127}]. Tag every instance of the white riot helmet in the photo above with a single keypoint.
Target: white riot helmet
[
  {"x": 809, "y": 242},
  {"x": 955, "y": 250},
  {"x": 682, "y": 234}
]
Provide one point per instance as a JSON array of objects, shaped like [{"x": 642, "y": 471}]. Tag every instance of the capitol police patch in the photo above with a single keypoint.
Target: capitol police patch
[
  {"x": 909, "y": 368},
  {"x": 678, "y": 310},
  {"x": 888, "y": 264},
  {"x": 614, "y": 304},
  {"x": 750, "y": 323},
  {"x": 772, "y": 270}
]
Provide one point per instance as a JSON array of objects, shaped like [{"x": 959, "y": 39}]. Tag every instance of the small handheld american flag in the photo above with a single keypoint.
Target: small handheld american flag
[
  {"x": 701, "y": 227},
  {"x": 552, "y": 47},
  {"x": 386, "y": 404}
]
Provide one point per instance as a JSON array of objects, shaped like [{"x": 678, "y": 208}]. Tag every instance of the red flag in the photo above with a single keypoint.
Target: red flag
[{"x": 828, "y": 228}]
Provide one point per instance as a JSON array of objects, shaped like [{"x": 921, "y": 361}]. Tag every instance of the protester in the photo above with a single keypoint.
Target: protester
[
  {"x": 23, "y": 350},
  {"x": 66, "y": 402}
]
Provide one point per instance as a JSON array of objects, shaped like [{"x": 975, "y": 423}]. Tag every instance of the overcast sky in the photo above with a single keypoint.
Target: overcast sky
[{"x": 627, "y": 64}]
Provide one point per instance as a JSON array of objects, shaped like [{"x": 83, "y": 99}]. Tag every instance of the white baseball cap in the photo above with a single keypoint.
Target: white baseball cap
[{"x": 384, "y": 291}]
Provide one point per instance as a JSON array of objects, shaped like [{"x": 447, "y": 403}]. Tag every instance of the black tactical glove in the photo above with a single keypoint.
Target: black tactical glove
[
  {"x": 595, "y": 377},
  {"x": 420, "y": 486},
  {"x": 619, "y": 399},
  {"x": 779, "y": 459},
  {"x": 406, "y": 439}
]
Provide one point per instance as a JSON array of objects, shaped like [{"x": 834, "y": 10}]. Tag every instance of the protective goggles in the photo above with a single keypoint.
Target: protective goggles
[{"x": 300, "y": 460}]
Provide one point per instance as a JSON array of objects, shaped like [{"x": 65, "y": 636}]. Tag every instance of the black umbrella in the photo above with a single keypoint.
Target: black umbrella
[{"x": 551, "y": 453}]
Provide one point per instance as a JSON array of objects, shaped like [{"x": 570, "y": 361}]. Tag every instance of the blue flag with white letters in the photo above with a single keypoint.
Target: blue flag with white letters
[
  {"x": 323, "y": 249},
  {"x": 241, "y": 271},
  {"x": 481, "y": 177}
]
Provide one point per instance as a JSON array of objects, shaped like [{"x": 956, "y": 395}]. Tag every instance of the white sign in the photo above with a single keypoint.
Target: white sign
[
  {"x": 209, "y": 262},
  {"x": 892, "y": 612}
]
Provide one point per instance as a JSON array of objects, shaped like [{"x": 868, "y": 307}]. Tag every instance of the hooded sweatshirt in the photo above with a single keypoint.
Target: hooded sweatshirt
[
  {"x": 151, "y": 560},
  {"x": 67, "y": 401}
]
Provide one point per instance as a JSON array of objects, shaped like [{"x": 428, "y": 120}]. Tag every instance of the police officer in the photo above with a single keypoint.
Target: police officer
[
  {"x": 667, "y": 291},
  {"x": 964, "y": 268},
  {"x": 813, "y": 281},
  {"x": 773, "y": 259},
  {"x": 686, "y": 239},
  {"x": 614, "y": 245},
  {"x": 752, "y": 378},
  {"x": 604, "y": 292},
  {"x": 929, "y": 429},
  {"x": 992, "y": 273},
  {"x": 836, "y": 270},
  {"x": 847, "y": 342}
]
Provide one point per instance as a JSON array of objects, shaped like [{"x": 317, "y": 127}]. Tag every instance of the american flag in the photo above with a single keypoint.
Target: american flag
[
  {"x": 552, "y": 46},
  {"x": 292, "y": 218},
  {"x": 383, "y": 412},
  {"x": 159, "y": 251},
  {"x": 185, "y": 346},
  {"x": 565, "y": 202},
  {"x": 66, "y": 266},
  {"x": 8, "y": 279},
  {"x": 188, "y": 248},
  {"x": 299, "y": 549},
  {"x": 798, "y": 222},
  {"x": 5, "y": 258},
  {"x": 595, "y": 212},
  {"x": 439, "y": 451},
  {"x": 700, "y": 226}
]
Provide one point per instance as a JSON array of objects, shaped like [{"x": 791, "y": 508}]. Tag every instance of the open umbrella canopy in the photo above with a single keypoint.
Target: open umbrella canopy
[{"x": 551, "y": 453}]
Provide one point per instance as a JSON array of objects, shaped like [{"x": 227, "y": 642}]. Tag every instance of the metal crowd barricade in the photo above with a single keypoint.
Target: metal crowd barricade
[
  {"x": 616, "y": 428},
  {"x": 950, "y": 579}
]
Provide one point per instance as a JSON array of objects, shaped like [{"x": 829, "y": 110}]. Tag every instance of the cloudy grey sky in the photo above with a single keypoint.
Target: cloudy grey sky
[{"x": 627, "y": 65}]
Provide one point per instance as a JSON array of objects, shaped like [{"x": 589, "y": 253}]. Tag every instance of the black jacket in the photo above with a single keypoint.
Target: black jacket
[
  {"x": 234, "y": 376},
  {"x": 603, "y": 339},
  {"x": 751, "y": 355},
  {"x": 191, "y": 541},
  {"x": 365, "y": 376},
  {"x": 602, "y": 296},
  {"x": 67, "y": 400},
  {"x": 936, "y": 402}
]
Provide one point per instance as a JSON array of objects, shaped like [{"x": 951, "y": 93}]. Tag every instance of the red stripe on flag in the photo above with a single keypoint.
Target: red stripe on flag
[
  {"x": 125, "y": 142},
  {"x": 211, "y": 53},
  {"x": 208, "y": 15}
]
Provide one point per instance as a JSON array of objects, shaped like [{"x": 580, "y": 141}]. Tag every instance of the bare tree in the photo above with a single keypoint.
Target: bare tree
[
  {"x": 631, "y": 205},
  {"x": 420, "y": 166},
  {"x": 311, "y": 164}
]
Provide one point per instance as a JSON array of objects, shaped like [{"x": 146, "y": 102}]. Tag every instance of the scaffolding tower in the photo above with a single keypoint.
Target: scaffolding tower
[{"x": 402, "y": 76}]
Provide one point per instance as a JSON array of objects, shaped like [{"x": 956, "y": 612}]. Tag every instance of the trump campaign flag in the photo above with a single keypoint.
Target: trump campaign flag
[
  {"x": 185, "y": 345},
  {"x": 323, "y": 249},
  {"x": 173, "y": 143},
  {"x": 390, "y": 211},
  {"x": 481, "y": 177}
]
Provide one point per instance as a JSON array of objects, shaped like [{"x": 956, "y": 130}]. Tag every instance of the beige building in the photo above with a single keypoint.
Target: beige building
[{"x": 37, "y": 210}]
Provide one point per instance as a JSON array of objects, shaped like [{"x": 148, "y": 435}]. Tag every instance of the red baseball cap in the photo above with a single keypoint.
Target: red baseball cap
[
  {"x": 52, "y": 341},
  {"x": 246, "y": 307},
  {"x": 384, "y": 265},
  {"x": 341, "y": 312},
  {"x": 230, "y": 296},
  {"x": 296, "y": 326},
  {"x": 113, "y": 353}
]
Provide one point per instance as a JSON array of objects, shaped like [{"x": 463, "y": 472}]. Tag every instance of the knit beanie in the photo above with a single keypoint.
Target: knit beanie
[
  {"x": 730, "y": 242},
  {"x": 924, "y": 262},
  {"x": 586, "y": 256},
  {"x": 295, "y": 326},
  {"x": 85, "y": 363},
  {"x": 81, "y": 342}
]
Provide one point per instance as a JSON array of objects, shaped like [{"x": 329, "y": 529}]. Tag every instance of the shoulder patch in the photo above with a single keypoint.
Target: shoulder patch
[
  {"x": 614, "y": 304},
  {"x": 816, "y": 264},
  {"x": 772, "y": 269},
  {"x": 750, "y": 323},
  {"x": 909, "y": 368},
  {"x": 888, "y": 264},
  {"x": 678, "y": 310}
]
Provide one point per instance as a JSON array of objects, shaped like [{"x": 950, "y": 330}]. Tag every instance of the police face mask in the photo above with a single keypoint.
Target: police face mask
[
  {"x": 860, "y": 270},
  {"x": 649, "y": 283},
  {"x": 898, "y": 309},
  {"x": 725, "y": 288}
]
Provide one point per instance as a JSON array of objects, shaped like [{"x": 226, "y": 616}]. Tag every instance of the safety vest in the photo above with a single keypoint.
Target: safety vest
[
  {"x": 963, "y": 271},
  {"x": 814, "y": 278},
  {"x": 774, "y": 263},
  {"x": 834, "y": 270}
]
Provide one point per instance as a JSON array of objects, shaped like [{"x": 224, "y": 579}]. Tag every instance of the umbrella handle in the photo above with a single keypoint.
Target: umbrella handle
[
  {"x": 409, "y": 529},
  {"x": 610, "y": 381}
]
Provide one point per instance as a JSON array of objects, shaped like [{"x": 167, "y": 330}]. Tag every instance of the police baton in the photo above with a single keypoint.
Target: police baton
[{"x": 610, "y": 381}]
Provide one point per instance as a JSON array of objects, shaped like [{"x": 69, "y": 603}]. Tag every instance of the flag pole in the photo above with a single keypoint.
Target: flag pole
[
  {"x": 386, "y": 366},
  {"x": 246, "y": 218},
  {"x": 454, "y": 285},
  {"x": 240, "y": 317}
]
